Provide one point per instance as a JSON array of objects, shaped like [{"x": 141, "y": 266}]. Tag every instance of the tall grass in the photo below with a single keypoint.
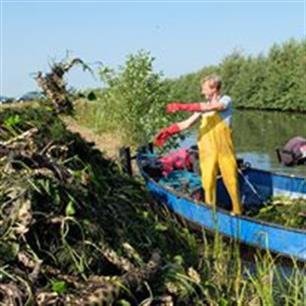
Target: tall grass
[{"x": 222, "y": 275}]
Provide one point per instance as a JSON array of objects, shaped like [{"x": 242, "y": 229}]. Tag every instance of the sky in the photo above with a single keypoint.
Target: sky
[{"x": 182, "y": 36}]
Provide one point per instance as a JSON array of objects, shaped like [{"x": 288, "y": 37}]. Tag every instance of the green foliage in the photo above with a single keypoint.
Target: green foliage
[
  {"x": 285, "y": 211},
  {"x": 8, "y": 251},
  {"x": 58, "y": 286},
  {"x": 92, "y": 96},
  {"x": 16, "y": 120},
  {"x": 70, "y": 210},
  {"x": 12, "y": 121},
  {"x": 187, "y": 87},
  {"x": 133, "y": 101},
  {"x": 273, "y": 81}
]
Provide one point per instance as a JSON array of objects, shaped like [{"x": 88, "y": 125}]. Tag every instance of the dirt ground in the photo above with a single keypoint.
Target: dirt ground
[{"x": 106, "y": 142}]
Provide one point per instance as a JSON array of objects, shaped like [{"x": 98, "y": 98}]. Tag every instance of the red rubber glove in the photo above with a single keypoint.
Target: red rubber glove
[
  {"x": 165, "y": 133},
  {"x": 190, "y": 107}
]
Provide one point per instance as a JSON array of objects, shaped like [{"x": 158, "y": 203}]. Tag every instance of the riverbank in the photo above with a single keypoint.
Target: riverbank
[
  {"x": 108, "y": 143},
  {"x": 75, "y": 229}
]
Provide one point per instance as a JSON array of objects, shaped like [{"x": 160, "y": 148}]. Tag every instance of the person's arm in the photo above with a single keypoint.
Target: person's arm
[
  {"x": 187, "y": 123},
  {"x": 212, "y": 106},
  {"x": 197, "y": 107},
  {"x": 175, "y": 128},
  {"x": 220, "y": 105}
]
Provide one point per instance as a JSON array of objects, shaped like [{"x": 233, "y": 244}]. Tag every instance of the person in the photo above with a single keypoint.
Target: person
[{"x": 216, "y": 150}]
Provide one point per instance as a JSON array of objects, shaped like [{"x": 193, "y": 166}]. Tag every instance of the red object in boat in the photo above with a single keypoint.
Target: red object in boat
[{"x": 176, "y": 160}]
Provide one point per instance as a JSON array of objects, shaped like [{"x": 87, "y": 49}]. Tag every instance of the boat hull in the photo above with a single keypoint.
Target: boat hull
[{"x": 269, "y": 236}]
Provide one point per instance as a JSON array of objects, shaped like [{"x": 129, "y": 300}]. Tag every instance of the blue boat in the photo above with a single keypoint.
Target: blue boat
[{"x": 256, "y": 186}]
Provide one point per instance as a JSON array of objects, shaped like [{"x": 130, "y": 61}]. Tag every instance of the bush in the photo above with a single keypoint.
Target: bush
[{"x": 133, "y": 101}]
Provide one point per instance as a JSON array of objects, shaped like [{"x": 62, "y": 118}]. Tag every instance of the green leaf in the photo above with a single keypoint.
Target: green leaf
[
  {"x": 12, "y": 121},
  {"x": 70, "y": 210},
  {"x": 91, "y": 96},
  {"x": 123, "y": 303},
  {"x": 161, "y": 227},
  {"x": 178, "y": 259},
  {"x": 8, "y": 250},
  {"x": 58, "y": 286}
]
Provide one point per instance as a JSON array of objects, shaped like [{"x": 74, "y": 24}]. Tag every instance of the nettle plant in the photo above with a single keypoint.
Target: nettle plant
[{"x": 134, "y": 99}]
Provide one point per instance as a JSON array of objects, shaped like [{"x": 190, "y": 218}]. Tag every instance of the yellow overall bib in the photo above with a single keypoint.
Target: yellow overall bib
[{"x": 216, "y": 151}]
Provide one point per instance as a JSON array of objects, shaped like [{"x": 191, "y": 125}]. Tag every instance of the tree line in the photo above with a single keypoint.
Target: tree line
[{"x": 275, "y": 81}]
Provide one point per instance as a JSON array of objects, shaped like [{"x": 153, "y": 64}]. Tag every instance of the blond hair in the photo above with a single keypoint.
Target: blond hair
[{"x": 214, "y": 80}]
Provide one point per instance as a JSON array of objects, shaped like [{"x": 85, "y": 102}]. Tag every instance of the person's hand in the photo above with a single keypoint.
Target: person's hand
[
  {"x": 165, "y": 133},
  {"x": 189, "y": 107}
]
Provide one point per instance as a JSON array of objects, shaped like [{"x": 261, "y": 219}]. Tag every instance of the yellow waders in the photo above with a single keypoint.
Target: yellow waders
[{"x": 216, "y": 151}]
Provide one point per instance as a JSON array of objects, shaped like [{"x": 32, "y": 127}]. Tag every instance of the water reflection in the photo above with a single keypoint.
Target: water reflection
[{"x": 258, "y": 133}]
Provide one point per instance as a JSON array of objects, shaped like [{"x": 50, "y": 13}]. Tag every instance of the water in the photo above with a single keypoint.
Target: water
[{"x": 258, "y": 133}]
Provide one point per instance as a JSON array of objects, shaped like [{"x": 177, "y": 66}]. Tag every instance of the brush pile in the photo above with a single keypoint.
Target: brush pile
[
  {"x": 74, "y": 230},
  {"x": 284, "y": 211}
]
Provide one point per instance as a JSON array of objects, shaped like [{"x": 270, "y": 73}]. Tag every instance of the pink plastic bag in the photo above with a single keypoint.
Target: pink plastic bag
[{"x": 176, "y": 160}]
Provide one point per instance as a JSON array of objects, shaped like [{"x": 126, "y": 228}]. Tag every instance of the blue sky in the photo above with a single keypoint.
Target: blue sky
[{"x": 183, "y": 36}]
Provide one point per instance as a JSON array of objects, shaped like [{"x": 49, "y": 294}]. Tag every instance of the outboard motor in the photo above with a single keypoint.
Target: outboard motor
[{"x": 293, "y": 152}]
